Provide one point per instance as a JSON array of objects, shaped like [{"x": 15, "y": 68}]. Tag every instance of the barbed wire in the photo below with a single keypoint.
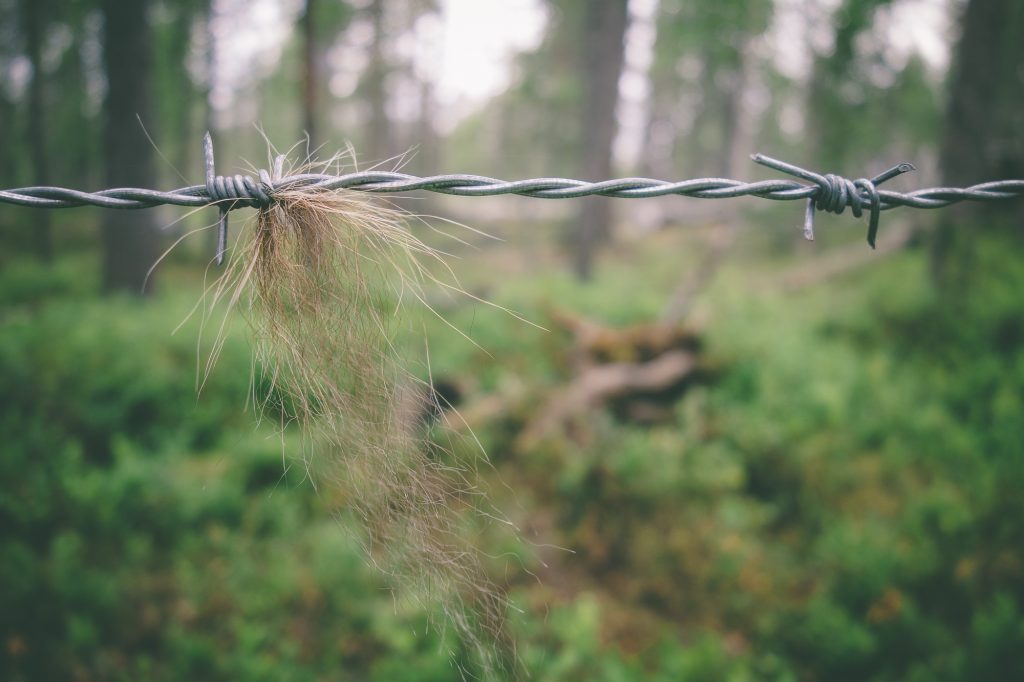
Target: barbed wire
[{"x": 829, "y": 192}]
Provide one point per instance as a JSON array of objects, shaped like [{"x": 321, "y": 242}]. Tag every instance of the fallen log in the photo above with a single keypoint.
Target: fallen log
[
  {"x": 638, "y": 372},
  {"x": 599, "y": 384}
]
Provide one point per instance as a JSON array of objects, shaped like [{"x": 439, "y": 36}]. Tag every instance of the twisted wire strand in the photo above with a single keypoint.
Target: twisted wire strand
[
  {"x": 828, "y": 192},
  {"x": 478, "y": 186}
]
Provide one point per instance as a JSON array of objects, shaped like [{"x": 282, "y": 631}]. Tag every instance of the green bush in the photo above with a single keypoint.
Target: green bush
[{"x": 839, "y": 502}]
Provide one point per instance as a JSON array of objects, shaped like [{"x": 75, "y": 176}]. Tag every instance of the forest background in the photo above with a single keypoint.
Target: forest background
[{"x": 828, "y": 488}]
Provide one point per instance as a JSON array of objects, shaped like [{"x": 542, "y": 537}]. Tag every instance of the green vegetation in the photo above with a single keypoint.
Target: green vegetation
[
  {"x": 830, "y": 490},
  {"x": 840, "y": 502}
]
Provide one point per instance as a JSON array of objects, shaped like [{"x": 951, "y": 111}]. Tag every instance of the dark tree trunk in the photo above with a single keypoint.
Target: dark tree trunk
[
  {"x": 603, "y": 53},
  {"x": 208, "y": 112},
  {"x": 7, "y": 178},
  {"x": 309, "y": 74},
  {"x": 129, "y": 237},
  {"x": 185, "y": 120},
  {"x": 984, "y": 124},
  {"x": 33, "y": 12},
  {"x": 983, "y": 138}
]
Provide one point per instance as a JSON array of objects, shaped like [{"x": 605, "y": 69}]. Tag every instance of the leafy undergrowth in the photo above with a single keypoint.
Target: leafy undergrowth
[{"x": 840, "y": 503}]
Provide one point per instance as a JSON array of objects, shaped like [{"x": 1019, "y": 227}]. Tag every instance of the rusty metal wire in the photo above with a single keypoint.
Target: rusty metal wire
[{"x": 829, "y": 192}]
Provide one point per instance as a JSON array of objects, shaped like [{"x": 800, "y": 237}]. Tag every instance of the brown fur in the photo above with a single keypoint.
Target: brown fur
[{"x": 315, "y": 274}]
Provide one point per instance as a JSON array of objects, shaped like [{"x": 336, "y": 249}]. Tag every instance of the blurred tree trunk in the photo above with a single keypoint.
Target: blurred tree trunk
[
  {"x": 983, "y": 140},
  {"x": 603, "y": 53},
  {"x": 32, "y": 15},
  {"x": 426, "y": 158},
  {"x": 210, "y": 64},
  {"x": 426, "y": 143},
  {"x": 379, "y": 133},
  {"x": 309, "y": 74},
  {"x": 185, "y": 94},
  {"x": 826, "y": 102},
  {"x": 7, "y": 113},
  {"x": 7, "y": 177},
  {"x": 209, "y": 114},
  {"x": 129, "y": 237},
  {"x": 739, "y": 121}
]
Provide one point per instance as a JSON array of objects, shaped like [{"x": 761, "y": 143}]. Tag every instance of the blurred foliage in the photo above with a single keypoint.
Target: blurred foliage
[
  {"x": 841, "y": 501},
  {"x": 857, "y": 89}
]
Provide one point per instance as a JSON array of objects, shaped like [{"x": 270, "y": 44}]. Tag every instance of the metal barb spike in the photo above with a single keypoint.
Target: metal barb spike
[
  {"x": 834, "y": 193},
  {"x": 211, "y": 178}
]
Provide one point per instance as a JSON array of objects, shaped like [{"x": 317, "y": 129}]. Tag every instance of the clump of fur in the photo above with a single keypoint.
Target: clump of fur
[{"x": 319, "y": 276}]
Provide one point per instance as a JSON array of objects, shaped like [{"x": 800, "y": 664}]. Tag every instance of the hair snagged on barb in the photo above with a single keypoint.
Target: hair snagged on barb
[{"x": 321, "y": 273}]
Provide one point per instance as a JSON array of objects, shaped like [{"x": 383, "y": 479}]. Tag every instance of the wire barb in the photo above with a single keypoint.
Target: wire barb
[
  {"x": 829, "y": 192},
  {"x": 834, "y": 193},
  {"x": 232, "y": 192}
]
